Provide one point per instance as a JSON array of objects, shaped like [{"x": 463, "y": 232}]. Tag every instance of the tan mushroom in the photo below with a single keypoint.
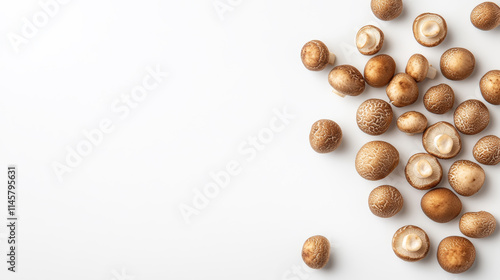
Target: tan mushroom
[
  {"x": 466, "y": 177},
  {"x": 412, "y": 122},
  {"x": 429, "y": 29},
  {"x": 376, "y": 160},
  {"x": 441, "y": 205},
  {"x": 346, "y": 80},
  {"x": 325, "y": 136},
  {"x": 410, "y": 243},
  {"x": 456, "y": 254},
  {"x": 379, "y": 70},
  {"x": 457, "y": 63},
  {"x": 471, "y": 117},
  {"x": 477, "y": 224},
  {"x": 315, "y": 55},
  {"x": 486, "y": 16},
  {"x": 442, "y": 140},
  {"x": 387, "y": 9},
  {"x": 423, "y": 171},
  {"x": 316, "y": 251},
  {"x": 402, "y": 90},
  {"x": 439, "y": 99},
  {"x": 385, "y": 201},
  {"x": 490, "y": 87},
  {"x": 374, "y": 116},
  {"x": 418, "y": 68},
  {"x": 487, "y": 150},
  {"x": 369, "y": 40}
]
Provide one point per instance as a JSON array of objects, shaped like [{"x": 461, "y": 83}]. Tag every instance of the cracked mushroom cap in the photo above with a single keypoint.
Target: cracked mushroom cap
[
  {"x": 346, "y": 80},
  {"x": 325, "y": 136},
  {"x": 418, "y": 68},
  {"x": 423, "y": 171},
  {"x": 471, "y": 117},
  {"x": 439, "y": 99},
  {"x": 374, "y": 116},
  {"x": 442, "y": 140},
  {"x": 441, "y": 205},
  {"x": 456, "y": 254},
  {"x": 412, "y": 122},
  {"x": 387, "y": 9},
  {"x": 402, "y": 90},
  {"x": 379, "y": 70},
  {"x": 486, "y": 16},
  {"x": 410, "y": 243},
  {"x": 490, "y": 87},
  {"x": 477, "y": 224},
  {"x": 376, "y": 160},
  {"x": 369, "y": 40},
  {"x": 457, "y": 64},
  {"x": 316, "y": 251},
  {"x": 466, "y": 177},
  {"x": 429, "y": 29},
  {"x": 315, "y": 55},
  {"x": 385, "y": 201},
  {"x": 487, "y": 150}
]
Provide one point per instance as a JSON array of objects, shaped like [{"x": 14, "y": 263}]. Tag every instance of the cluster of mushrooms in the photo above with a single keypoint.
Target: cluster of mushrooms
[{"x": 377, "y": 159}]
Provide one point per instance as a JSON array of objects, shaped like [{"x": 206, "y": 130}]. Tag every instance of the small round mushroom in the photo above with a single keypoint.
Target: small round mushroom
[
  {"x": 379, "y": 70},
  {"x": 325, "y": 136},
  {"x": 457, "y": 64},
  {"x": 346, "y": 80},
  {"x": 402, "y": 90},
  {"x": 385, "y": 201},
  {"x": 466, "y": 177},
  {"x": 441, "y": 205},
  {"x": 487, "y": 150},
  {"x": 315, "y": 55},
  {"x": 456, "y": 254},
  {"x": 442, "y": 140},
  {"x": 410, "y": 243},
  {"x": 376, "y": 160},
  {"x": 486, "y": 16},
  {"x": 418, "y": 68},
  {"x": 429, "y": 29},
  {"x": 477, "y": 224},
  {"x": 387, "y": 9},
  {"x": 316, "y": 251},
  {"x": 471, "y": 117},
  {"x": 412, "y": 122},
  {"x": 439, "y": 99},
  {"x": 490, "y": 87},
  {"x": 369, "y": 40},
  {"x": 423, "y": 171},
  {"x": 374, "y": 116}
]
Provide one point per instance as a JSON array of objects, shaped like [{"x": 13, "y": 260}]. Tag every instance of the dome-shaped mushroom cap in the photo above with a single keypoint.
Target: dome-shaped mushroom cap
[
  {"x": 399, "y": 238},
  {"x": 418, "y": 68},
  {"x": 441, "y": 205},
  {"x": 325, "y": 136},
  {"x": 487, "y": 150},
  {"x": 457, "y": 63},
  {"x": 412, "y": 122},
  {"x": 346, "y": 80},
  {"x": 376, "y": 160},
  {"x": 379, "y": 70},
  {"x": 423, "y": 171},
  {"x": 433, "y": 136},
  {"x": 439, "y": 99},
  {"x": 385, "y": 201},
  {"x": 471, "y": 117},
  {"x": 315, "y": 55},
  {"x": 374, "y": 116},
  {"x": 402, "y": 90},
  {"x": 490, "y": 87},
  {"x": 316, "y": 251},
  {"x": 456, "y": 254},
  {"x": 466, "y": 177},
  {"x": 477, "y": 224},
  {"x": 486, "y": 16},
  {"x": 387, "y": 9},
  {"x": 429, "y": 29}
]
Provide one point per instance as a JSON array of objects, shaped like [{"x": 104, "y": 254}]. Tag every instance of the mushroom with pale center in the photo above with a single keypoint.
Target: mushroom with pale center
[
  {"x": 429, "y": 29},
  {"x": 315, "y": 55},
  {"x": 423, "y": 171},
  {"x": 442, "y": 140},
  {"x": 410, "y": 243},
  {"x": 369, "y": 40}
]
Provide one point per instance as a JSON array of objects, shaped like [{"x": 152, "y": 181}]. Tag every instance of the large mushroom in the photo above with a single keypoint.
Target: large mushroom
[
  {"x": 346, "y": 80},
  {"x": 456, "y": 254},
  {"x": 387, "y": 9},
  {"x": 374, "y": 116},
  {"x": 369, "y": 40},
  {"x": 423, "y": 171},
  {"x": 471, "y": 117},
  {"x": 376, "y": 160},
  {"x": 490, "y": 87},
  {"x": 410, "y": 243},
  {"x": 316, "y": 56},
  {"x": 402, "y": 90},
  {"x": 379, "y": 70},
  {"x": 487, "y": 150},
  {"x": 457, "y": 63},
  {"x": 441, "y": 205},
  {"x": 442, "y": 140},
  {"x": 429, "y": 29}
]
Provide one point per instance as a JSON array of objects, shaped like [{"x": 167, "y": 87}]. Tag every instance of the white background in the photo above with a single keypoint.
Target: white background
[{"x": 116, "y": 214}]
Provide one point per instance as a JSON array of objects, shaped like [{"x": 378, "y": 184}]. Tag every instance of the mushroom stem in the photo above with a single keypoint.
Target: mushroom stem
[
  {"x": 412, "y": 243},
  {"x": 430, "y": 29},
  {"x": 331, "y": 58},
  {"x": 423, "y": 169},
  {"x": 338, "y": 93},
  {"x": 432, "y": 72},
  {"x": 365, "y": 40},
  {"x": 444, "y": 143}
]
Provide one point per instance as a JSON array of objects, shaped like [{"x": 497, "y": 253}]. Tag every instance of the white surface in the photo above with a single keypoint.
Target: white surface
[{"x": 117, "y": 213}]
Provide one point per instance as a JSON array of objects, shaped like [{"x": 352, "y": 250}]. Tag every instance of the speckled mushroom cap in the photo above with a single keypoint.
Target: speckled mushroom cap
[
  {"x": 315, "y": 55},
  {"x": 412, "y": 122},
  {"x": 487, "y": 150},
  {"x": 477, "y": 224},
  {"x": 466, "y": 177},
  {"x": 410, "y": 255},
  {"x": 431, "y": 139},
  {"x": 423, "y": 171},
  {"x": 456, "y": 254},
  {"x": 429, "y": 29},
  {"x": 374, "y": 116},
  {"x": 418, "y": 68},
  {"x": 379, "y": 70},
  {"x": 376, "y": 160},
  {"x": 486, "y": 16},
  {"x": 369, "y": 40},
  {"x": 387, "y": 9},
  {"x": 385, "y": 201},
  {"x": 346, "y": 80},
  {"x": 457, "y": 63},
  {"x": 316, "y": 251},
  {"x": 490, "y": 86},
  {"x": 325, "y": 136},
  {"x": 439, "y": 99},
  {"x": 402, "y": 90},
  {"x": 471, "y": 117},
  {"x": 441, "y": 205}
]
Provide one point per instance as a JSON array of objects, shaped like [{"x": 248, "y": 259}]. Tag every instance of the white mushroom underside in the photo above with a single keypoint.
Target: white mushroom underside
[
  {"x": 431, "y": 29},
  {"x": 447, "y": 130},
  {"x": 368, "y": 39},
  {"x": 432, "y": 164},
  {"x": 412, "y": 231}
]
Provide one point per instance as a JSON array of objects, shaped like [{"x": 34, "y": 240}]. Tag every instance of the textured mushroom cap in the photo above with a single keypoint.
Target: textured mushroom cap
[
  {"x": 376, "y": 160},
  {"x": 477, "y": 224},
  {"x": 457, "y": 63},
  {"x": 471, "y": 117},
  {"x": 412, "y": 122},
  {"x": 435, "y": 130},
  {"x": 439, "y": 99},
  {"x": 347, "y": 80},
  {"x": 379, "y": 70},
  {"x": 387, "y": 9},
  {"x": 397, "y": 243},
  {"x": 466, "y": 177},
  {"x": 374, "y": 116},
  {"x": 487, "y": 150},
  {"x": 315, "y": 55},
  {"x": 485, "y": 16},
  {"x": 316, "y": 251},
  {"x": 417, "y": 67},
  {"x": 419, "y": 182},
  {"x": 441, "y": 205},
  {"x": 456, "y": 254},
  {"x": 369, "y": 40},
  {"x": 325, "y": 136},
  {"x": 385, "y": 201},
  {"x": 490, "y": 87},
  {"x": 402, "y": 90},
  {"x": 429, "y": 29}
]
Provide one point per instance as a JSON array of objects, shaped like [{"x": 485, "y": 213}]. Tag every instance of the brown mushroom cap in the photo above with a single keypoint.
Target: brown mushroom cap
[
  {"x": 423, "y": 171},
  {"x": 315, "y": 55},
  {"x": 466, "y": 177},
  {"x": 487, "y": 150},
  {"x": 387, "y": 9},
  {"x": 456, "y": 254},
  {"x": 379, "y": 70},
  {"x": 439, "y": 99},
  {"x": 412, "y": 122},
  {"x": 346, "y": 80},
  {"x": 490, "y": 87},
  {"x": 402, "y": 90},
  {"x": 457, "y": 63},
  {"x": 418, "y": 68},
  {"x": 385, "y": 201},
  {"x": 316, "y": 251},
  {"x": 369, "y": 40},
  {"x": 477, "y": 224},
  {"x": 486, "y": 16},
  {"x": 437, "y": 143},
  {"x": 471, "y": 117},
  {"x": 325, "y": 136},
  {"x": 429, "y": 29},
  {"x": 441, "y": 205},
  {"x": 374, "y": 116},
  {"x": 410, "y": 243},
  {"x": 376, "y": 160}
]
